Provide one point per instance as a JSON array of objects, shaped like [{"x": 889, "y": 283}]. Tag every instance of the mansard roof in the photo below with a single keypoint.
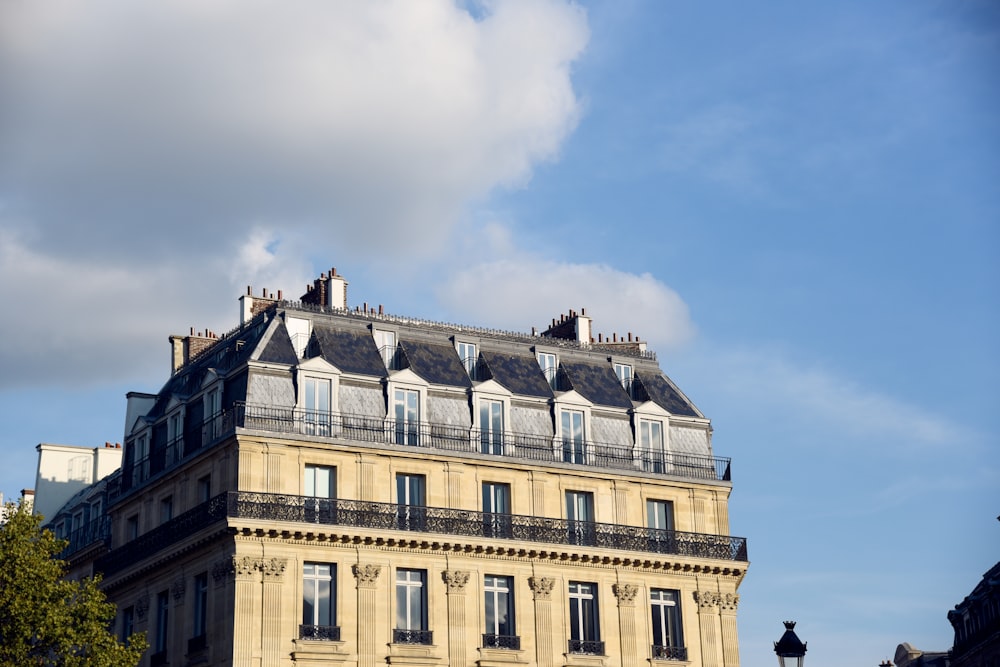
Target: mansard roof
[
  {"x": 518, "y": 373},
  {"x": 438, "y": 364},
  {"x": 663, "y": 392},
  {"x": 350, "y": 351},
  {"x": 597, "y": 383}
]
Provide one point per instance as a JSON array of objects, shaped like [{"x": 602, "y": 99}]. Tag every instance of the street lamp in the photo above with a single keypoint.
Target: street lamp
[{"x": 790, "y": 649}]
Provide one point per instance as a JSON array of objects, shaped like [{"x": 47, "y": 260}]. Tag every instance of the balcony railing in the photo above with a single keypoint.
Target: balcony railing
[
  {"x": 521, "y": 446},
  {"x": 98, "y": 530},
  {"x": 412, "y": 636},
  {"x": 586, "y": 647},
  {"x": 670, "y": 652},
  {"x": 515, "y": 527},
  {"x": 330, "y": 633},
  {"x": 510, "y": 642}
]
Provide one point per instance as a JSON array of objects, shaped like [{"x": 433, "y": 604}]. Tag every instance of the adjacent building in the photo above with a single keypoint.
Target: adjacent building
[{"x": 334, "y": 486}]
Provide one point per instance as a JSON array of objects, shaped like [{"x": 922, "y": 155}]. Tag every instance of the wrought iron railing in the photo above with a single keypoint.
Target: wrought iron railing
[
  {"x": 670, "y": 652},
  {"x": 586, "y": 647},
  {"x": 400, "y": 636},
  {"x": 517, "y": 527},
  {"x": 511, "y": 642},
  {"x": 98, "y": 530},
  {"x": 330, "y": 633},
  {"x": 446, "y": 437}
]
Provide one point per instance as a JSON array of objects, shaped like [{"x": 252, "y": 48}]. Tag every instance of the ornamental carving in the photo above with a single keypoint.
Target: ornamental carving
[
  {"x": 706, "y": 599},
  {"x": 221, "y": 569},
  {"x": 273, "y": 568},
  {"x": 541, "y": 587},
  {"x": 141, "y": 607},
  {"x": 366, "y": 575},
  {"x": 729, "y": 602},
  {"x": 244, "y": 566},
  {"x": 625, "y": 593},
  {"x": 456, "y": 580},
  {"x": 178, "y": 590}
]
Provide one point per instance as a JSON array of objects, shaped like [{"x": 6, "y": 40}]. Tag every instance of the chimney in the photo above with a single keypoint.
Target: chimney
[{"x": 336, "y": 291}]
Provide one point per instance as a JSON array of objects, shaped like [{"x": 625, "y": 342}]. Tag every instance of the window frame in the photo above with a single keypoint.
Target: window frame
[
  {"x": 199, "y": 624},
  {"x": 666, "y": 622},
  {"x": 312, "y": 582},
  {"x": 468, "y": 356},
  {"x": 497, "y": 521},
  {"x": 319, "y": 504},
  {"x": 497, "y": 588},
  {"x": 411, "y": 595},
  {"x": 585, "y": 637},
  {"x": 549, "y": 371}
]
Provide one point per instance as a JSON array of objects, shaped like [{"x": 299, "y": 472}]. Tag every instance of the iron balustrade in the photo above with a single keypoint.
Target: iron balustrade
[
  {"x": 97, "y": 530},
  {"x": 670, "y": 652},
  {"x": 586, "y": 647},
  {"x": 330, "y": 633},
  {"x": 446, "y": 437},
  {"x": 510, "y": 642},
  {"x": 400, "y": 636},
  {"x": 470, "y": 523}
]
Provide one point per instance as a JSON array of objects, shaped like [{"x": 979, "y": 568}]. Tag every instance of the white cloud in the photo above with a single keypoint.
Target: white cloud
[
  {"x": 524, "y": 289},
  {"x": 168, "y": 125}
]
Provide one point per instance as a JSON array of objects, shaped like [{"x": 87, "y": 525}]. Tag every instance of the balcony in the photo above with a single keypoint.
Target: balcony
[
  {"x": 329, "y": 633},
  {"x": 400, "y": 636},
  {"x": 98, "y": 530},
  {"x": 586, "y": 647},
  {"x": 509, "y": 445},
  {"x": 509, "y": 642},
  {"x": 670, "y": 652}
]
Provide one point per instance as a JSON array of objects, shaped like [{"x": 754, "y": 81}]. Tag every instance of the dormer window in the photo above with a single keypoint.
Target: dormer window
[
  {"x": 140, "y": 469},
  {"x": 624, "y": 373},
  {"x": 175, "y": 434},
  {"x": 317, "y": 405},
  {"x": 549, "y": 365},
  {"x": 213, "y": 414},
  {"x": 469, "y": 356},
  {"x": 386, "y": 343}
]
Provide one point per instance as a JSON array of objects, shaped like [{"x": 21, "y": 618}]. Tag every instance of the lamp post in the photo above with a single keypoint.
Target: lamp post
[{"x": 790, "y": 649}]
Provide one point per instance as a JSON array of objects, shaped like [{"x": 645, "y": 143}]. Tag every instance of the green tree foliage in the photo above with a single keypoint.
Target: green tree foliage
[{"x": 45, "y": 619}]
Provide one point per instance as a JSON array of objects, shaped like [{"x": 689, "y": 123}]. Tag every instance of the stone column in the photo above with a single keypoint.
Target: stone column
[
  {"x": 708, "y": 624},
  {"x": 541, "y": 588},
  {"x": 273, "y": 571},
  {"x": 247, "y": 610},
  {"x": 456, "y": 581},
  {"x": 367, "y": 578},
  {"x": 626, "y": 623},
  {"x": 730, "y": 644}
]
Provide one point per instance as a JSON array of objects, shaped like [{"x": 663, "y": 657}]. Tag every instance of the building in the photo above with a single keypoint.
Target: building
[
  {"x": 64, "y": 471},
  {"x": 976, "y": 621},
  {"x": 331, "y": 486}
]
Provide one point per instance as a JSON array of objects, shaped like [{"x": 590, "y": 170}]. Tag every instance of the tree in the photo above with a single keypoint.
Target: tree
[{"x": 48, "y": 620}]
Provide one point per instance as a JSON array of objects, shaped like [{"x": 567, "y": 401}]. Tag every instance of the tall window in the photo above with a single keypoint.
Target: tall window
[
  {"x": 410, "y": 499},
  {"x": 140, "y": 471},
  {"x": 162, "y": 625},
  {"x": 651, "y": 443},
  {"x": 496, "y": 510},
  {"x": 128, "y": 624},
  {"x": 467, "y": 353},
  {"x": 499, "y": 601},
  {"x": 411, "y": 608},
  {"x": 317, "y": 406},
  {"x": 386, "y": 343},
  {"x": 319, "y": 587},
  {"x": 580, "y": 516},
  {"x": 584, "y": 629},
  {"x": 166, "y": 509},
  {"x": 132, "y": 527},
  {"x": 668, "y": 643},
  {"x": 175, "y": 430},
  {"x": 624, "y": 373},
  {"x": 204, "y": 488},
  {"x": 547, "y": 362},
  {"x": 406, "y": 409},
  {"x": 660, "y": 521},
  {"x": 320, "y": 487},
  {"x": 491, "y": 426},
  {"x": 572, "y": 435},
  {"x": 200, "y": 625},
  {"x": 213, "y": 414}
]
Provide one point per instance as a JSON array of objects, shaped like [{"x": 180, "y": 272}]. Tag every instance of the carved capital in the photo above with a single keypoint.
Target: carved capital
[
  {"x": 178, "y": 590},
  {"x": 456, "y": 580},
  {"x": 625, "y": 593},
  {"x": 221, "y": 569},
  {"x": 244, "y": 567},
  {"x": 541, "y": 587},
  {"x": 366, "y": 575},
  {"x": 729, "y": 602},
  {"x": 141, "y": 607},
  {"x": 707, "y": 600},
  {"x": 273, "y": 569}
]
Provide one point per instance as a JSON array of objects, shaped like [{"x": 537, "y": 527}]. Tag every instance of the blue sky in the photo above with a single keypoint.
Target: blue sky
[{"x": 797, "y": 204}]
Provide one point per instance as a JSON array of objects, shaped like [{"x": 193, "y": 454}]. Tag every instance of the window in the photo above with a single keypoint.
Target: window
[
  {"x": 175, "y": 430},
  {"x": 204, "y": 488},
  {"x": 406, "y": 410},
  {"x": 386, "y": 343},
  {"x": 547, "y": 362},
  {"x": 162, "y": 611},
  {"x": 584, "y": 629},
  {"x": 499, "y": 601},
  {"x": 317, "y": 406},
  {"x": 166, "y": 509},
  {"x": 200, "y": 625},
  {"x": 469, "y": 357},
  {"x": 213, "y": 414},
  {"x": 660, "y": 521},
  {"x": 411, "y": 608},
  {"x": 571, "y": 422},
  {"x": 140, "y": 471},
  {"x": 319, "y": 599},
  {"x": 132, "y": 527},
  {"x": 651, "y": 444},
  {"x": 491, "y": 426},
  {"x": 668, "y": 643},
  {"x": 320, "y": 487},
  {"x": 624, "y": 373},
  {"x": 128, "y": 624},
  {"x": 496, "y": 510},
  {"x": 410, "y": 499},
  {"x": 580, "y": 517}
]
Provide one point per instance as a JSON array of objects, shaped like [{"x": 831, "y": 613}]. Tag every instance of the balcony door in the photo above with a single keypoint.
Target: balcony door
[
  {"x": 496, "y": 510},
  {"x": 491, "y": 426},
  {"x": 406, "y": 412},
  {"x": 580, "y": 518},
  {"x": 411, "y": 511},
  {"x": 572, "y": 436}
]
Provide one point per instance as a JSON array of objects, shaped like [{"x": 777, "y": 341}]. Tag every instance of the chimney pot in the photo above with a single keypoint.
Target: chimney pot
[{"x": 279, "y": 295}]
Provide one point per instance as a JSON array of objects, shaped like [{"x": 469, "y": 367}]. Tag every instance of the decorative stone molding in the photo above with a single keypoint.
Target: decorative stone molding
[
  {"x": 272, "y": 568},
  {"x": 178, "y": 590},
  {"x": 541, "y": 587},
  {"x": 706, "y": 600},
  {"x": 729, "y": 602},
  {"x": 244, "y": 566},
  {"x": 456, "y": 580},
  {"x": 141, "y": 607},
  {"x": 221, "y": 569},
  {"x": 366, "y": 575},
  {"x": 625, "y": 593}
]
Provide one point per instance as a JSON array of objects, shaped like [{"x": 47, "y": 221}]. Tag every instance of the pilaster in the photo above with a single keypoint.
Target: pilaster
[
  {"x": 366, "y": 576},
  {"x": 708, "y": 625},
  {"x": 456, "y": 581},
  {"x": 273, "y": 572},
  {"x": 626, "y": 594},
  {"x": 730, "y": 642},
  {"x": 541, "y": 589}
]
